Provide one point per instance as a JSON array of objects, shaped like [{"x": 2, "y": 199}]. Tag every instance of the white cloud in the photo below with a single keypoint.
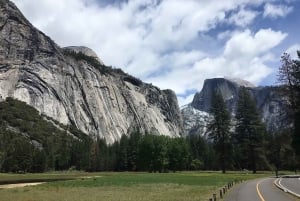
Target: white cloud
[
  {"x": 185, "y": 100},
  {"x": 124, "y": 35},
  {"x": 247, "y": 44},
  {"x": 245, "y": 56},
  {"x": 292, "y": 50},
  {"x": 158, "y": 40},
  {"x": 275, "y": 11},
  {"x": 243, "y": 17}
]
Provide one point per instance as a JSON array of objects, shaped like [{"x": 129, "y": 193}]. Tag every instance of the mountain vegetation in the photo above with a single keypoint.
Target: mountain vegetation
[
  {"x": 30, "y": 142},
  {"x": 33, "y": 142}
]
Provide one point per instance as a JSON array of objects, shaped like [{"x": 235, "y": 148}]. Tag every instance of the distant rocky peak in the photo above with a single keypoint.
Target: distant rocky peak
[
  {"x": 269, "y": 102},
  {"x": 240, "y": 82},
  {"x": 84, "y": 50},
  {"x": 228, "y": 89}
]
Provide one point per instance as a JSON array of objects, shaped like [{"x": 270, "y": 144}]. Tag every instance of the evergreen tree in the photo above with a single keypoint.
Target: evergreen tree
[
  {"x": 19, "y": 155},
  {"x": 178, "y": 153},
  {"x": 280, "y": 153},
  {"x": 199, "y": 151},
  {"x": 133, "y": 150},
  {"x": 80, "y": 153},
  {"x": 249, "y": 132},
  {"x": 63, "y": 152},
  {"x": 289, "y": 76},
  {"x": 111, "y": 157},
  {"x": 94, "y": 157},
  {"x": 123, "y": 154},
  {"x": 160, "y": 162},
  {"x": 219, "y": 129},
  {"x": 105, "y": 157},
  {"x": 3, "y": 145},
  {"x": 153, "y": 153},
  {"x": 39, "y": 160},
  {"x": 146, "y": 153}
]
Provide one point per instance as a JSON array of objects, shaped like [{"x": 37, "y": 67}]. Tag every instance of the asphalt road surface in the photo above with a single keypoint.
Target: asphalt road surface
[
  {"x": 264, "y": 190},
  {"x": 290, "y": 184}
]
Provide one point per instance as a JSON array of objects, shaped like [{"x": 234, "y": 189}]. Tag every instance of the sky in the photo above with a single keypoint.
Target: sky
[{"x": 176, "y": 44}]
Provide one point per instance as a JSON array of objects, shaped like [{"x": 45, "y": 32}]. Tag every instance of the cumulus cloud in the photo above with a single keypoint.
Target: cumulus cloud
[
  {"x": 292, "y": 50},
  {"x": 185, "y": 100},
  {"x": 243, "y": 17},
  {"x": 275, "y": 11},
  {"x": 245, "y": 56},
  {"x": 158, "y": 41}
]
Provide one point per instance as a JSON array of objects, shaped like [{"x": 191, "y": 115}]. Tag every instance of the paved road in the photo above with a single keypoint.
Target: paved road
[
  {"x": 259, "y": 190},
  {"x": 291, "y": 184}
]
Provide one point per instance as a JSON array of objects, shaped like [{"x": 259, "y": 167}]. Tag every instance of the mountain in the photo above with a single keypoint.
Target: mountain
[
  {"x": 269, "y": 101},
  {"x": 73, "y": 86}
]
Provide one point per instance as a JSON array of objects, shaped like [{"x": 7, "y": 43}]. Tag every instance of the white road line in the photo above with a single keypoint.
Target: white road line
[{"x": 277, "y": 182}]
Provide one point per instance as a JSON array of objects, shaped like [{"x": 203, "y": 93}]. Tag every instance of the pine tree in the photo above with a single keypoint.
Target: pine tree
[
  {"x": 133, "y": 150},
  {"x": 146, "y": 155},
  {"x": 178, "y": 153},
  {"x": 199, "y": 151},
  {"x": 249, "y": 131},
  {"x": 289, "y": 77},
  {"x": 219, "y": 129},
  {"x": 123, "y": 154},
  {"x": 280, "y": 152},
  {"x": 94, "y": 157}
]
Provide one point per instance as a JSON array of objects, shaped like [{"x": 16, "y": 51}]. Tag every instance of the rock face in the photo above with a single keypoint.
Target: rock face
[
  {"x": 228, "y": 89},
  {"x": 84, "y": 50},
  {"x": 98, "y": 100},
  {"x": 268, "y": 100},
  {"x": 194, "y": 121}
]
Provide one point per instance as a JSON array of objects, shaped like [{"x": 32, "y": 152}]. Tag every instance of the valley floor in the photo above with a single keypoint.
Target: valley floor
[{"x": 188, "y": 186}]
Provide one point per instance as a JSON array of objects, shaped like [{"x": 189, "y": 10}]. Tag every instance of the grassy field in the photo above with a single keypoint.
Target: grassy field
[{"x": 185, "y": 186}]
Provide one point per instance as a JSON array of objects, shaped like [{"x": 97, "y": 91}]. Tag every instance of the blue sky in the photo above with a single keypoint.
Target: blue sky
[{"x": 176, "y": 44}]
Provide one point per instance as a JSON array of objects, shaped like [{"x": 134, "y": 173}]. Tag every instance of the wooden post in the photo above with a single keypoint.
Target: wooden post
[
  {"x": 221, "y": 194},
  {"x": 215, "y": 197}
]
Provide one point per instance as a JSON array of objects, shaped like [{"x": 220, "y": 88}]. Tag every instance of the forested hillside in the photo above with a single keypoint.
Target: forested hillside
[{"x": 30, "y": 142}]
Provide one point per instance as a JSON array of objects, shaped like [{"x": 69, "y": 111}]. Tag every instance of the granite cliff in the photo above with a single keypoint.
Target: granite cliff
[
  {"x": 268, "y": 100},
  {"x": 73, "y": 86}
]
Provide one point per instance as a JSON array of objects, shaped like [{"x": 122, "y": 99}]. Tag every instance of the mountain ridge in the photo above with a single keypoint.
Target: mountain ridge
[
  {"x": 75, "y": 89},
  {"x": 270, "y": 104}
]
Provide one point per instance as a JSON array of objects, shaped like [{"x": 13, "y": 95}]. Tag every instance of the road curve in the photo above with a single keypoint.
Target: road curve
[
  {"x": 289, "y": 184},
  {"x": 259, "y": 190}
]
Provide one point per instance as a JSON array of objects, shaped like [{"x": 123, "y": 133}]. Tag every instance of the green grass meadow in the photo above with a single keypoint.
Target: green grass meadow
[{"x": 184, "y": 186}]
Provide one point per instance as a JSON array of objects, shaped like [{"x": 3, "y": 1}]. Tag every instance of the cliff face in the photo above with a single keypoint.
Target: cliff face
[
  {"x": 268, "y": 100},
  {"x": 96, "y": 99},
  {"x": 227, "y": 88}
]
